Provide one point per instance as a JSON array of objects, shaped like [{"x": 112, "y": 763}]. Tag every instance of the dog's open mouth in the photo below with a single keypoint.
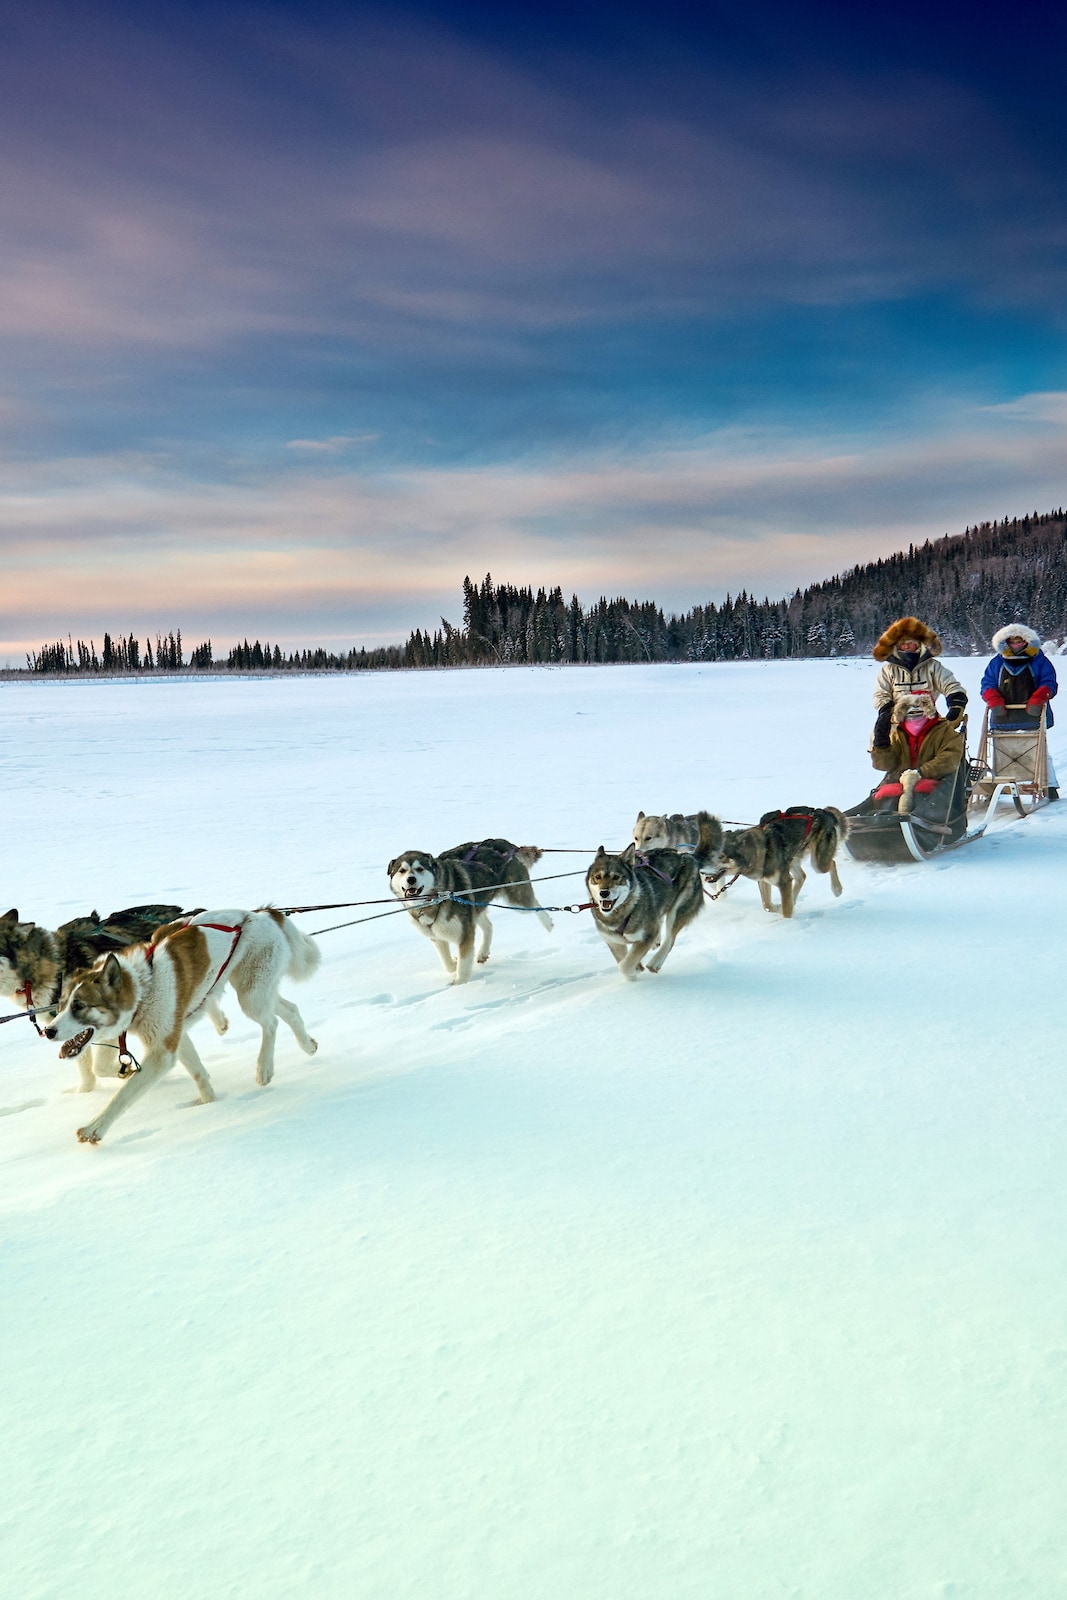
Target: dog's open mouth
[
  {"x": 74, "y": 1047},
  {"x": 414, "y": 894}
]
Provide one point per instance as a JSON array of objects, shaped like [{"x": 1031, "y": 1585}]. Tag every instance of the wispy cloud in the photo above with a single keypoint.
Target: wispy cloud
[{"x": 93, "y": 545}]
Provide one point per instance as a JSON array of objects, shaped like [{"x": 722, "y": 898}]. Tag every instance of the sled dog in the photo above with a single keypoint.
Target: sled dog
[
  {"x": 773, "y": 852},
  {"x": 157, "y": 990},
  {"x": 641, "y": 903},
  {"x": 39, "y": 966},
  {"x": 484, "y": 871},
  {"x": 701, "y": 833}
]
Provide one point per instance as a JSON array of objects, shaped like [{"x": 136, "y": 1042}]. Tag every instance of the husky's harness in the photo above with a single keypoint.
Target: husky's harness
[
  {"x": 808, "y": 819},
  {"x": 643, "y": 861},
  {"x": 128, "y": 1063},
  {"x": 26, "y": 994}
]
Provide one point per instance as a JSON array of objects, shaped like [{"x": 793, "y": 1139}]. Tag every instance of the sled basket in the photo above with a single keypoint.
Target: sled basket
[{"x": 937, "y": 821}]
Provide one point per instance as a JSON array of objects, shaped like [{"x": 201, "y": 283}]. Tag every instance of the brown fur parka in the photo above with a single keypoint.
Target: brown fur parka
[{"x": 940, "y": 752}]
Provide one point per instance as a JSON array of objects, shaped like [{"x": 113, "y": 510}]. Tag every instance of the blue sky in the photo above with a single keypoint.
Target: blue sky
[{"x": 307, "y": 311}]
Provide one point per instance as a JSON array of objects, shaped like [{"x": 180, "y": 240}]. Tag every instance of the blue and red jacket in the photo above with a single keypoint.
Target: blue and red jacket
[{"x": 1021, "y": 680}]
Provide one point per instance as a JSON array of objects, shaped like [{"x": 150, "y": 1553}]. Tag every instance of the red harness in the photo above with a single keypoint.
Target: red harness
[
  {"x": 26, "y": 994},
  {"x": 127, "y": 1063},
  {"x": 794, "y": 816}
]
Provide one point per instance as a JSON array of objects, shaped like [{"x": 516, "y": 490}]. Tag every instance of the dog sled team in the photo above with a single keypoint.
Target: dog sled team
[{"x": 155, "y": 970}]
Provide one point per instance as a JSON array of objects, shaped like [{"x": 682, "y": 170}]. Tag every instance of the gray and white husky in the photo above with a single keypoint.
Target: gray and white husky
[
  {"x": 773, "y": 852},
  {"x": 158, "y": 990},
  {"x": 639, "y": 904},
  {"x": 700, "y": 833},
  {"x": 450, "y": 894}
]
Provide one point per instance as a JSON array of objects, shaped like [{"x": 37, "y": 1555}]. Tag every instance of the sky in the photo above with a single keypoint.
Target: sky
[{"x": 308, "y": 311}]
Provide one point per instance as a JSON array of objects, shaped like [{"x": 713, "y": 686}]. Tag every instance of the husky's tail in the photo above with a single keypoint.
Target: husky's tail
[
  {"x": 843, "y": 823},
  {"x": 708, "y": 848},
  {"x": 519, "y": 890},
  {"x": 304, "y": 953},
  {"x": 828, "y": 834}
]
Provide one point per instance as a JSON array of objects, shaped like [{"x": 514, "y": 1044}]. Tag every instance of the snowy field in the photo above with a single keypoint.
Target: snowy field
[{"x": 742, "y": 1282}]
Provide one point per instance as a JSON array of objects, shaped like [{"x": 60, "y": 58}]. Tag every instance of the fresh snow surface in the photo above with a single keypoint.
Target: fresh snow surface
[{"x": 744, "y": 1281}]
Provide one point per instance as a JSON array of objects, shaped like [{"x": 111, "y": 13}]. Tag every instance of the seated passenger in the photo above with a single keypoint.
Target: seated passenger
[
  {"x": 1018, "y": 681},
  {"x": 922, "y": 749}
]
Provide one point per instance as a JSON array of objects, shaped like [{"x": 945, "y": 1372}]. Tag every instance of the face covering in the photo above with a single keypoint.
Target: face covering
[{"x": 915, "y": 725}]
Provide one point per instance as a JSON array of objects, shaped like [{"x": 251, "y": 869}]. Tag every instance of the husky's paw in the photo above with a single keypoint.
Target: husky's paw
[
  {"x": 483, "y": 959},
  {"x": 264, "y": 1075},
  {"x": 221, "y": 1023},
  {"x": 546, "y": 921},
  {"x": 311, "y": 1046},
  {"x": 90, "y": 1134}
]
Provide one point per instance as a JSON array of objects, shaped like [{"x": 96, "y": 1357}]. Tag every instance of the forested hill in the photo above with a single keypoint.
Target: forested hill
[{"x": 965, "y": 585}]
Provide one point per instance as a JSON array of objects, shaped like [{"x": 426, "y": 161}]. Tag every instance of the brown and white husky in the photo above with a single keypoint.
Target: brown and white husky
[{"x": 157, "y": 990}]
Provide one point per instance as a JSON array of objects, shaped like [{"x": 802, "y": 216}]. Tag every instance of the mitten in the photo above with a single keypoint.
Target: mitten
[
  {"x": 882, "y": 725},
  {"x": 908, "y": 780}
]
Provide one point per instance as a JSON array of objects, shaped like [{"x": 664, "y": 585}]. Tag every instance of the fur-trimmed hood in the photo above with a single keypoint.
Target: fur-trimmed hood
[
  {"x": 913, "y": 705},
  {"x": 1016, "y": 630},
  {"x": 906, "y": 628}
]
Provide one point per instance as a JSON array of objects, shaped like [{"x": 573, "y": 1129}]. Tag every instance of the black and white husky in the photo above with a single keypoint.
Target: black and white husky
[
  {"x": 450, "y": 895},
  {"x": 157, "y": 990},
  {"x": 39, "y": 966},
  {"x": 642, "y": 902}
]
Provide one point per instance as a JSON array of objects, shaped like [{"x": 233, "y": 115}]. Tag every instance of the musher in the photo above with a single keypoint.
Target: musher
[
  {"x": 908, "y": 651},
  {"x": 1018, "y": 681}
]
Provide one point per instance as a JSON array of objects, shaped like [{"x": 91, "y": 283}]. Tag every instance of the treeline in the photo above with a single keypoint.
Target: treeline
[
  {"x": 965, "y": 585},
  {"x": 125, "y": 655}
]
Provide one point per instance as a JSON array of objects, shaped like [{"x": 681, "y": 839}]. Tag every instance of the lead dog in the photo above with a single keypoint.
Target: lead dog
[
  {"x": 158, "y": 990},
  {"x": 701, "y": 833},
  {"x": 451, "y": 893},
  {"x": 773, "y": 852},
  {"x": 640, "y": 903},
  {"x": 39, "y": 966}
]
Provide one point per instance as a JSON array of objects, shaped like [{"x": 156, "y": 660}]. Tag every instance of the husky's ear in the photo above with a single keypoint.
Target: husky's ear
[
  {"x": 10, "y": 916},
  {"x": 111, "y": 972},
  {"x": 391, "y": 868},
  {"x": 640, "y": 816},
  {"x": 629, "y": 853}
]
